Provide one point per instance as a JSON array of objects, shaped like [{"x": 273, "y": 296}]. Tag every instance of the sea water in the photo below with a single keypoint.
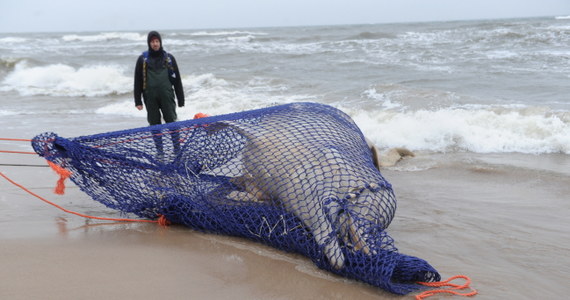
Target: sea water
[{"x": 478, "y": 86}]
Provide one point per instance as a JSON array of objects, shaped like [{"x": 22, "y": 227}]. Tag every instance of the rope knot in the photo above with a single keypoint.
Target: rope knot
[
  {"x": 163, "y": 221},
  {"x": 452, "y": 288},
  {"x": 63, "y": 175}
]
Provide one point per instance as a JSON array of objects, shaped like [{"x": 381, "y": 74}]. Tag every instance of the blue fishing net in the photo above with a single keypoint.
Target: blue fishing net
[{"x": 299, "y": 177}]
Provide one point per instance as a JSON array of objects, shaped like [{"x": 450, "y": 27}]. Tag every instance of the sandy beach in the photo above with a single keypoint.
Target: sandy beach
[{"x": 503, "y": 226}]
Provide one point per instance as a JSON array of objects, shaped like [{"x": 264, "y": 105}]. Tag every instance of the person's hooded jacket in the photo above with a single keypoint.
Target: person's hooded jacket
[{"x": 156, "y": 60}]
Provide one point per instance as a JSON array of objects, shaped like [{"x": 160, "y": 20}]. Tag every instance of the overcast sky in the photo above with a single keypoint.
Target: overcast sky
[{"x": 119, "y": 15}]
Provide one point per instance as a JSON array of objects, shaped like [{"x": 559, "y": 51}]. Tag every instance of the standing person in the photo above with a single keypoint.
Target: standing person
[{"x": 156, "y": 73}]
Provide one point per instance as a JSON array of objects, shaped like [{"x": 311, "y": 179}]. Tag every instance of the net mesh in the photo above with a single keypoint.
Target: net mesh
[{"x": 298, "y": 177}]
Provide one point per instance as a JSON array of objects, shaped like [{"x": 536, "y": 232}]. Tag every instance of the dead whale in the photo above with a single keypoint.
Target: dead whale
[{"x": 335, "y": 196}]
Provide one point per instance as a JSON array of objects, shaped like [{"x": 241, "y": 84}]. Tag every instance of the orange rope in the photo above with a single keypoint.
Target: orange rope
[
  {"x": 18, "y": 152},
  {"x": 446, "y": 283},
  {"x": 161, "y": 221},
  {"x": 17, "y": 140},
  {"x": 63, "y": 175}
]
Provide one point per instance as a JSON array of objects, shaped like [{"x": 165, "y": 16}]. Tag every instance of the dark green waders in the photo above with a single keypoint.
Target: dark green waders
[{"x": 159, "y": 97}]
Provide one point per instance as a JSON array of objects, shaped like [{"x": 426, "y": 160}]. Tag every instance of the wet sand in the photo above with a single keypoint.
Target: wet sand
[{"x": 504, "y": 225}]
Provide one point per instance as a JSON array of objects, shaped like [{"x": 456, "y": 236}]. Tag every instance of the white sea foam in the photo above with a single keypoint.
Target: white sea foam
[
  {"x": 13, "y": 40},
  {"x": 246, "y": 38},
  {"x": 8, "y": 113},
  {"x": 64, "y": 80},
  {"x": 481, "y": 130},
  {"x": 125, "y": 107},
  {"x": 387, "y": 103},
  {"x": 225, "y": 33},
  {"x": 105, "y": 36}
]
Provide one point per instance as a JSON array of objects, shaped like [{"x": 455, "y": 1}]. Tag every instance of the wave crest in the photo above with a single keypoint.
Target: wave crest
[
  {"x": 481, "y": 129},
  {"x": 64, "y": 80}
]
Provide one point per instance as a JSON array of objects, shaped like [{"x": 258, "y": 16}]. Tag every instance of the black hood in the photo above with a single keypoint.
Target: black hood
[{"x": 149, "y": 38}]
